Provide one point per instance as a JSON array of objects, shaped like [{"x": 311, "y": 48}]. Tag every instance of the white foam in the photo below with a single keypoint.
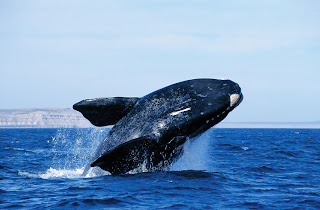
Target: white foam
[
  {"x": 52, "y": 173},
  {"x": 96, "y": 171},
  {"x": 61, "y": 173}
]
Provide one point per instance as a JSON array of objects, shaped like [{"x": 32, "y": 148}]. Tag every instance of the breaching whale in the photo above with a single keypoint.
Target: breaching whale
[{"x": 149, "y": 132}]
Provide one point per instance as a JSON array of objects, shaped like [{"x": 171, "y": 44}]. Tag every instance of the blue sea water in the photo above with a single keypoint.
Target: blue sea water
[{"x": 221, "y": 169}]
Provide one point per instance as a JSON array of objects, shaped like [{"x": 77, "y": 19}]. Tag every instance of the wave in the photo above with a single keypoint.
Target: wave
[{"x": 89, "y": 202}]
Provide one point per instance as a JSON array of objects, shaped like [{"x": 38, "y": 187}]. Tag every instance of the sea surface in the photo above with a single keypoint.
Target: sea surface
[{"x": 221, "y": 169}]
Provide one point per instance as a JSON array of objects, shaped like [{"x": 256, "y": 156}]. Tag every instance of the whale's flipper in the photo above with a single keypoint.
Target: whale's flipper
[
  {"x": 105, "y": 111},
  {"x": 131, "y": 154},
  {"x": 126, "y": 156}
]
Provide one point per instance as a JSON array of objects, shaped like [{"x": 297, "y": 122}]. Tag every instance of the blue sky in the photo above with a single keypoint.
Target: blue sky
[{"x": 55, "y": 53}]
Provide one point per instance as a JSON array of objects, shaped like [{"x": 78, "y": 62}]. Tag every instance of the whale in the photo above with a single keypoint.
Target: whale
[{"x": 148, "y": 133}]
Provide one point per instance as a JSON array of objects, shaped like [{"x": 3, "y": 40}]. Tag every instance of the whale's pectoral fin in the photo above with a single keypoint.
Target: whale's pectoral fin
[
  {"x": 128, "y": 155},
  {"x": 173, "y": 149},
  {"x": 137, "y": 152},
  {"x": 105, "y": 111}
]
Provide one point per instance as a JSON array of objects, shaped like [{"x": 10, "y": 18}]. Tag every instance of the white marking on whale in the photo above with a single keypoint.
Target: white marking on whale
[
  {"x": 178, "y": 112},
  {"x": 234, "y": 98}
]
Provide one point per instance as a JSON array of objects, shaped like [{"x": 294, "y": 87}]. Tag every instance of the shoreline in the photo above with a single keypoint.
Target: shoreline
[{"x": 69, "y": 118}]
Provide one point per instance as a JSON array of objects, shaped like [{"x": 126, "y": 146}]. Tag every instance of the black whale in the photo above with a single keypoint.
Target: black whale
[{"x": 149, "y": 132}]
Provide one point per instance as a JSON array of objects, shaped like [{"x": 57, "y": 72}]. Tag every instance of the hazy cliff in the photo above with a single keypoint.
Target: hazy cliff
[{"x": 42, "y": 118}]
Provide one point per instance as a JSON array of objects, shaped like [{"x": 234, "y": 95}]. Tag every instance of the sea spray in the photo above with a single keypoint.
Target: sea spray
[
  {"x": 195, "y": 153},
  {"x": 72, "y": 149}
]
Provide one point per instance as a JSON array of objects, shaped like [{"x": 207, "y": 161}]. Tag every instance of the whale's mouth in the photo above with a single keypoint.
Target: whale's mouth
[{"x": 235, "y": 100}]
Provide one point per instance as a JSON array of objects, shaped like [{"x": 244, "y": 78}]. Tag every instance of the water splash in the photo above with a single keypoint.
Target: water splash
[
  {"x": 52, "y": 173},
  {"x": 73, "y": 148},
  {"x": 71, "y": 151},
  {"x": 195, "y": 154}
]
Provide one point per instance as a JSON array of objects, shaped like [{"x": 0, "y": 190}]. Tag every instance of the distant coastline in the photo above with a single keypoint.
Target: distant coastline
[
  {"x": 68, "y": 118},
  {"x": 42, "y": 118}
]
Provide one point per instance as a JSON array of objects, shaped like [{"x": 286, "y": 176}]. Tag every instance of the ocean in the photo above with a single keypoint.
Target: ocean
[{"x": 221, "y": 169}]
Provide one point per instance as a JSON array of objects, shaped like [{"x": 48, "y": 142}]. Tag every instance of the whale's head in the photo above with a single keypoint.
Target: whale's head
[
  {"x": 215, "y": 98},
  {"x": 204, "y": 103}
]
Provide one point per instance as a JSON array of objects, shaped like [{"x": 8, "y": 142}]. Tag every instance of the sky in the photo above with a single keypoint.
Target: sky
[{"x": 55, "y": 53}]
